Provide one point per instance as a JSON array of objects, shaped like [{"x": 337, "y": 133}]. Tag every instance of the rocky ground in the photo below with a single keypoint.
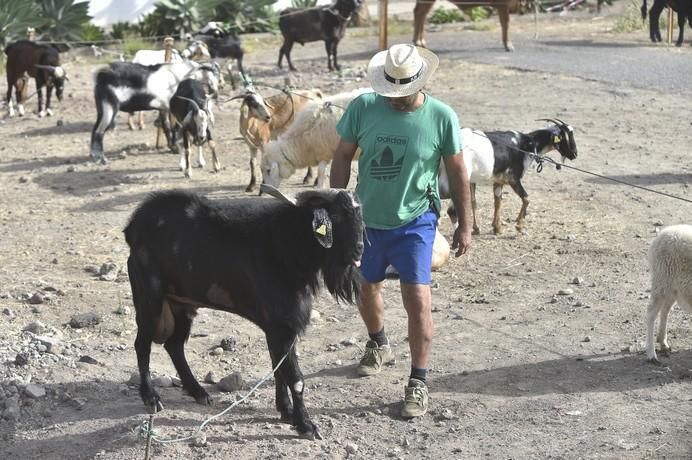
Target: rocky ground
[{"x": 538, "y": 340}]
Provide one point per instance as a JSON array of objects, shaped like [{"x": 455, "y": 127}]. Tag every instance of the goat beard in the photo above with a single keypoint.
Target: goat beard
[{"x": 343, "y": 282}]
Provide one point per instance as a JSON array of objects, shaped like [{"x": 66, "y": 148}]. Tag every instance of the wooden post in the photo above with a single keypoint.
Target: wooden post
[
  {"x": 670, "y": 25},
  {"x": 382, "y": 21},
  {"x": 168, "y": 43}
]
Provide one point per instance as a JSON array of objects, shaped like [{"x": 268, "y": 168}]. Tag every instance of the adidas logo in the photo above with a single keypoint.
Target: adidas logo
[{"x": 386, "y": 169}]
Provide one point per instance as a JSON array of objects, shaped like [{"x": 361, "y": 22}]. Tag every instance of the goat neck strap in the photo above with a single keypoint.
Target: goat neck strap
[
  {"x": 283, "y": 154},
  {"x": 293, "y": 110}
]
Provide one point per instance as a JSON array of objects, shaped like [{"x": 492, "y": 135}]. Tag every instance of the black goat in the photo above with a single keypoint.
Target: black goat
[
  {"x": 42, "y": 62},
  {"x": 259, "y": 258},
  {"x": 191, "y": 112},
  {"x": 501, "y": 157},
  {"x": 326, "y": 23},
  {"x": 682, "y": 7},
  {"x": 221, "y": 44}
]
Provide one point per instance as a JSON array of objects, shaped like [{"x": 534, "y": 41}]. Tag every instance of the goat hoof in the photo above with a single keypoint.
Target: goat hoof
[
  {"x": 309, "y": 431},
  {"x": 250, "y": 188},
  {"x": 204, "y": 400},
  {"x": 154, "y": 404},
  {"x": 41, "y": 114},
  {"x": 654, "y": 361},
  {"x": 476, "y": 231},
  {"x": 287, "y": 415},
  {"x": 49, "y": 112}
]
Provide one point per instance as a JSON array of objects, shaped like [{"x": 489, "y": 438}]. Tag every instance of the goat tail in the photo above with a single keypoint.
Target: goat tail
[{"x": 643, "y": 10}]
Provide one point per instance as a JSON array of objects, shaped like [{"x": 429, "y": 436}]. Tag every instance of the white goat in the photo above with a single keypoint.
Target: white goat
[
  {"x": 670, "y": 262},
  {"x": 310, "y": 141},
  {"x": 264, "y": 119}
]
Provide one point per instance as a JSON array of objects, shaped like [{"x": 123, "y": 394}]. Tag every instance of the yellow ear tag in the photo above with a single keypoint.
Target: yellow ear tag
[
  {"x": 321, "y": 230},
  {"x": 556, "y": 140}
]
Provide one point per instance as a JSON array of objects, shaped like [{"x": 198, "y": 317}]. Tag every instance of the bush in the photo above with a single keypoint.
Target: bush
[
  {"x": 446, "y": 15},
  {"x": 92, "y": 33},
  {"x": 631, "y": 20},
  {"x": 478, "y": 13}
]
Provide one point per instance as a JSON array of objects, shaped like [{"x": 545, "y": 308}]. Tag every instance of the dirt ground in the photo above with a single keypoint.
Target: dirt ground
[{"x": 538, "y": 349}]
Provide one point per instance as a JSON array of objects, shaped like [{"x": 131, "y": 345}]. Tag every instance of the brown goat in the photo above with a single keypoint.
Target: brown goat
[
  {"x": 263, "y": 120},
  {"x": 504, "y": 7}
]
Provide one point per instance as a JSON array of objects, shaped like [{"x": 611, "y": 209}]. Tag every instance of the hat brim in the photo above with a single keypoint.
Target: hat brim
[{"x": 386, "y": 88}]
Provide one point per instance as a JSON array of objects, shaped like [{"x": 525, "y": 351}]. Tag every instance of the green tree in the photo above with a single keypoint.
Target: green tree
[
  {"x": 62, "y": 20},
  {"x": 242, "y": 16},
  {"x": 15, "y": 17}
]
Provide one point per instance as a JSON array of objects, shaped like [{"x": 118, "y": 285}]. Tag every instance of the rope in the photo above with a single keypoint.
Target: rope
[
  {"x": 584, "y": 171},
  {"x": 145, "y": 430}
]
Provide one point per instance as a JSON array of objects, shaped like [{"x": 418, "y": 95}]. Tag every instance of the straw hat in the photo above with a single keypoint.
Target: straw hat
[{"x": 401, "y": 70}]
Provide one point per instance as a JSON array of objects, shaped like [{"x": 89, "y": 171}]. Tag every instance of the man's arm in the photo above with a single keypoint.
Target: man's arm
[
  {"x": 461, "y": 196},
  {"x": 340, "y": 171}
]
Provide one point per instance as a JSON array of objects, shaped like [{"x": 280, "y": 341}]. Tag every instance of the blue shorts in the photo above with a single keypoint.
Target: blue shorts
[{"x": 407, "y": 248}]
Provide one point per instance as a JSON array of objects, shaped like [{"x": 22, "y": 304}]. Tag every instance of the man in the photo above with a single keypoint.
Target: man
[{"x": 403, "y": 134}]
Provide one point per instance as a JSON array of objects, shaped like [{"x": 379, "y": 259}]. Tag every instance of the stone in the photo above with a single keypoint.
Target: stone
[
  {"x": 35, "y": 327},
  {"x": 228, "y": 343},
  {"x": 34, "y": 391},
  {"x": 88, "y": 359},
  {"x": 84, "y": 320},
  {"x": 233, "y": 382}
]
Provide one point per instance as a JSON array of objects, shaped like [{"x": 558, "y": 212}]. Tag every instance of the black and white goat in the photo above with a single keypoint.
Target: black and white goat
[
  {"x": 192, "y": 116},
  {"x": 128, "y": 87},
  {"x": 262, "y": 259},
  {"x": 328, "y": 23},
  {"x": 502, "y": 158}
]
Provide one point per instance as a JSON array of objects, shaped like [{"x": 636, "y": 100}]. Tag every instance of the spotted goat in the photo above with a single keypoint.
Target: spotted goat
[{"x": 261, "y": 258}]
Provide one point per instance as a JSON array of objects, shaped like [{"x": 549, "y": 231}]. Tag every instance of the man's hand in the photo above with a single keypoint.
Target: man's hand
[{"x": 461, "y": 240}]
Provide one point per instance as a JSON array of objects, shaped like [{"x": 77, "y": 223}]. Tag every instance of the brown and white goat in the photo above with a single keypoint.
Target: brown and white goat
[
  {"x": 263, "y": 120},
  {"x": 504, "y": 7}
]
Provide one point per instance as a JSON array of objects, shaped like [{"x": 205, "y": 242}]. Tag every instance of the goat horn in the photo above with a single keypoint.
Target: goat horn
[
  {"x": 191, "y": 100},
  {"x": 273, "y": 191},
  {"x": 47, "y": 67}
]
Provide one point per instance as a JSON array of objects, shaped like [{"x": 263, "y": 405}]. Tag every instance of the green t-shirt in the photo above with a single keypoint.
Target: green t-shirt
[{"x": 401, "y": 152}]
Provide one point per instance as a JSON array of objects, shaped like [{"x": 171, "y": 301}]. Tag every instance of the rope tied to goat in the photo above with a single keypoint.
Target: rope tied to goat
[{"x": 146, "y": 429}]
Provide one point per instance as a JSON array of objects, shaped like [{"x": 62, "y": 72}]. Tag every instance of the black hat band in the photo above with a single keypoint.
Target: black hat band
[{"x": 404, "y": 81}]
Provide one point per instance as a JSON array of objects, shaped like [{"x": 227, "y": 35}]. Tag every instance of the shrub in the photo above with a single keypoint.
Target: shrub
[
  {"x": 631, "y": 20},
  {"x": 446, "y": 15}
]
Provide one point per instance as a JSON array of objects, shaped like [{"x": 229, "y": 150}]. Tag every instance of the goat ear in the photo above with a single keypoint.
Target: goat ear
[
  {"x": 272, "y": 191},
  {"x": 322, "y": 227}
]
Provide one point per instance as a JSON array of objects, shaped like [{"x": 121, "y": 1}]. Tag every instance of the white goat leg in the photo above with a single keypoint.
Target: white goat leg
[
  {"x": 182, "y": 162},
  {"x": 200, "y": 157},
  {"x": 10, "y": 109},
  {"x": 322, "y": 174},
  {"x": 188, "y": 168},
  {"x": 20, "y": 109}
]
